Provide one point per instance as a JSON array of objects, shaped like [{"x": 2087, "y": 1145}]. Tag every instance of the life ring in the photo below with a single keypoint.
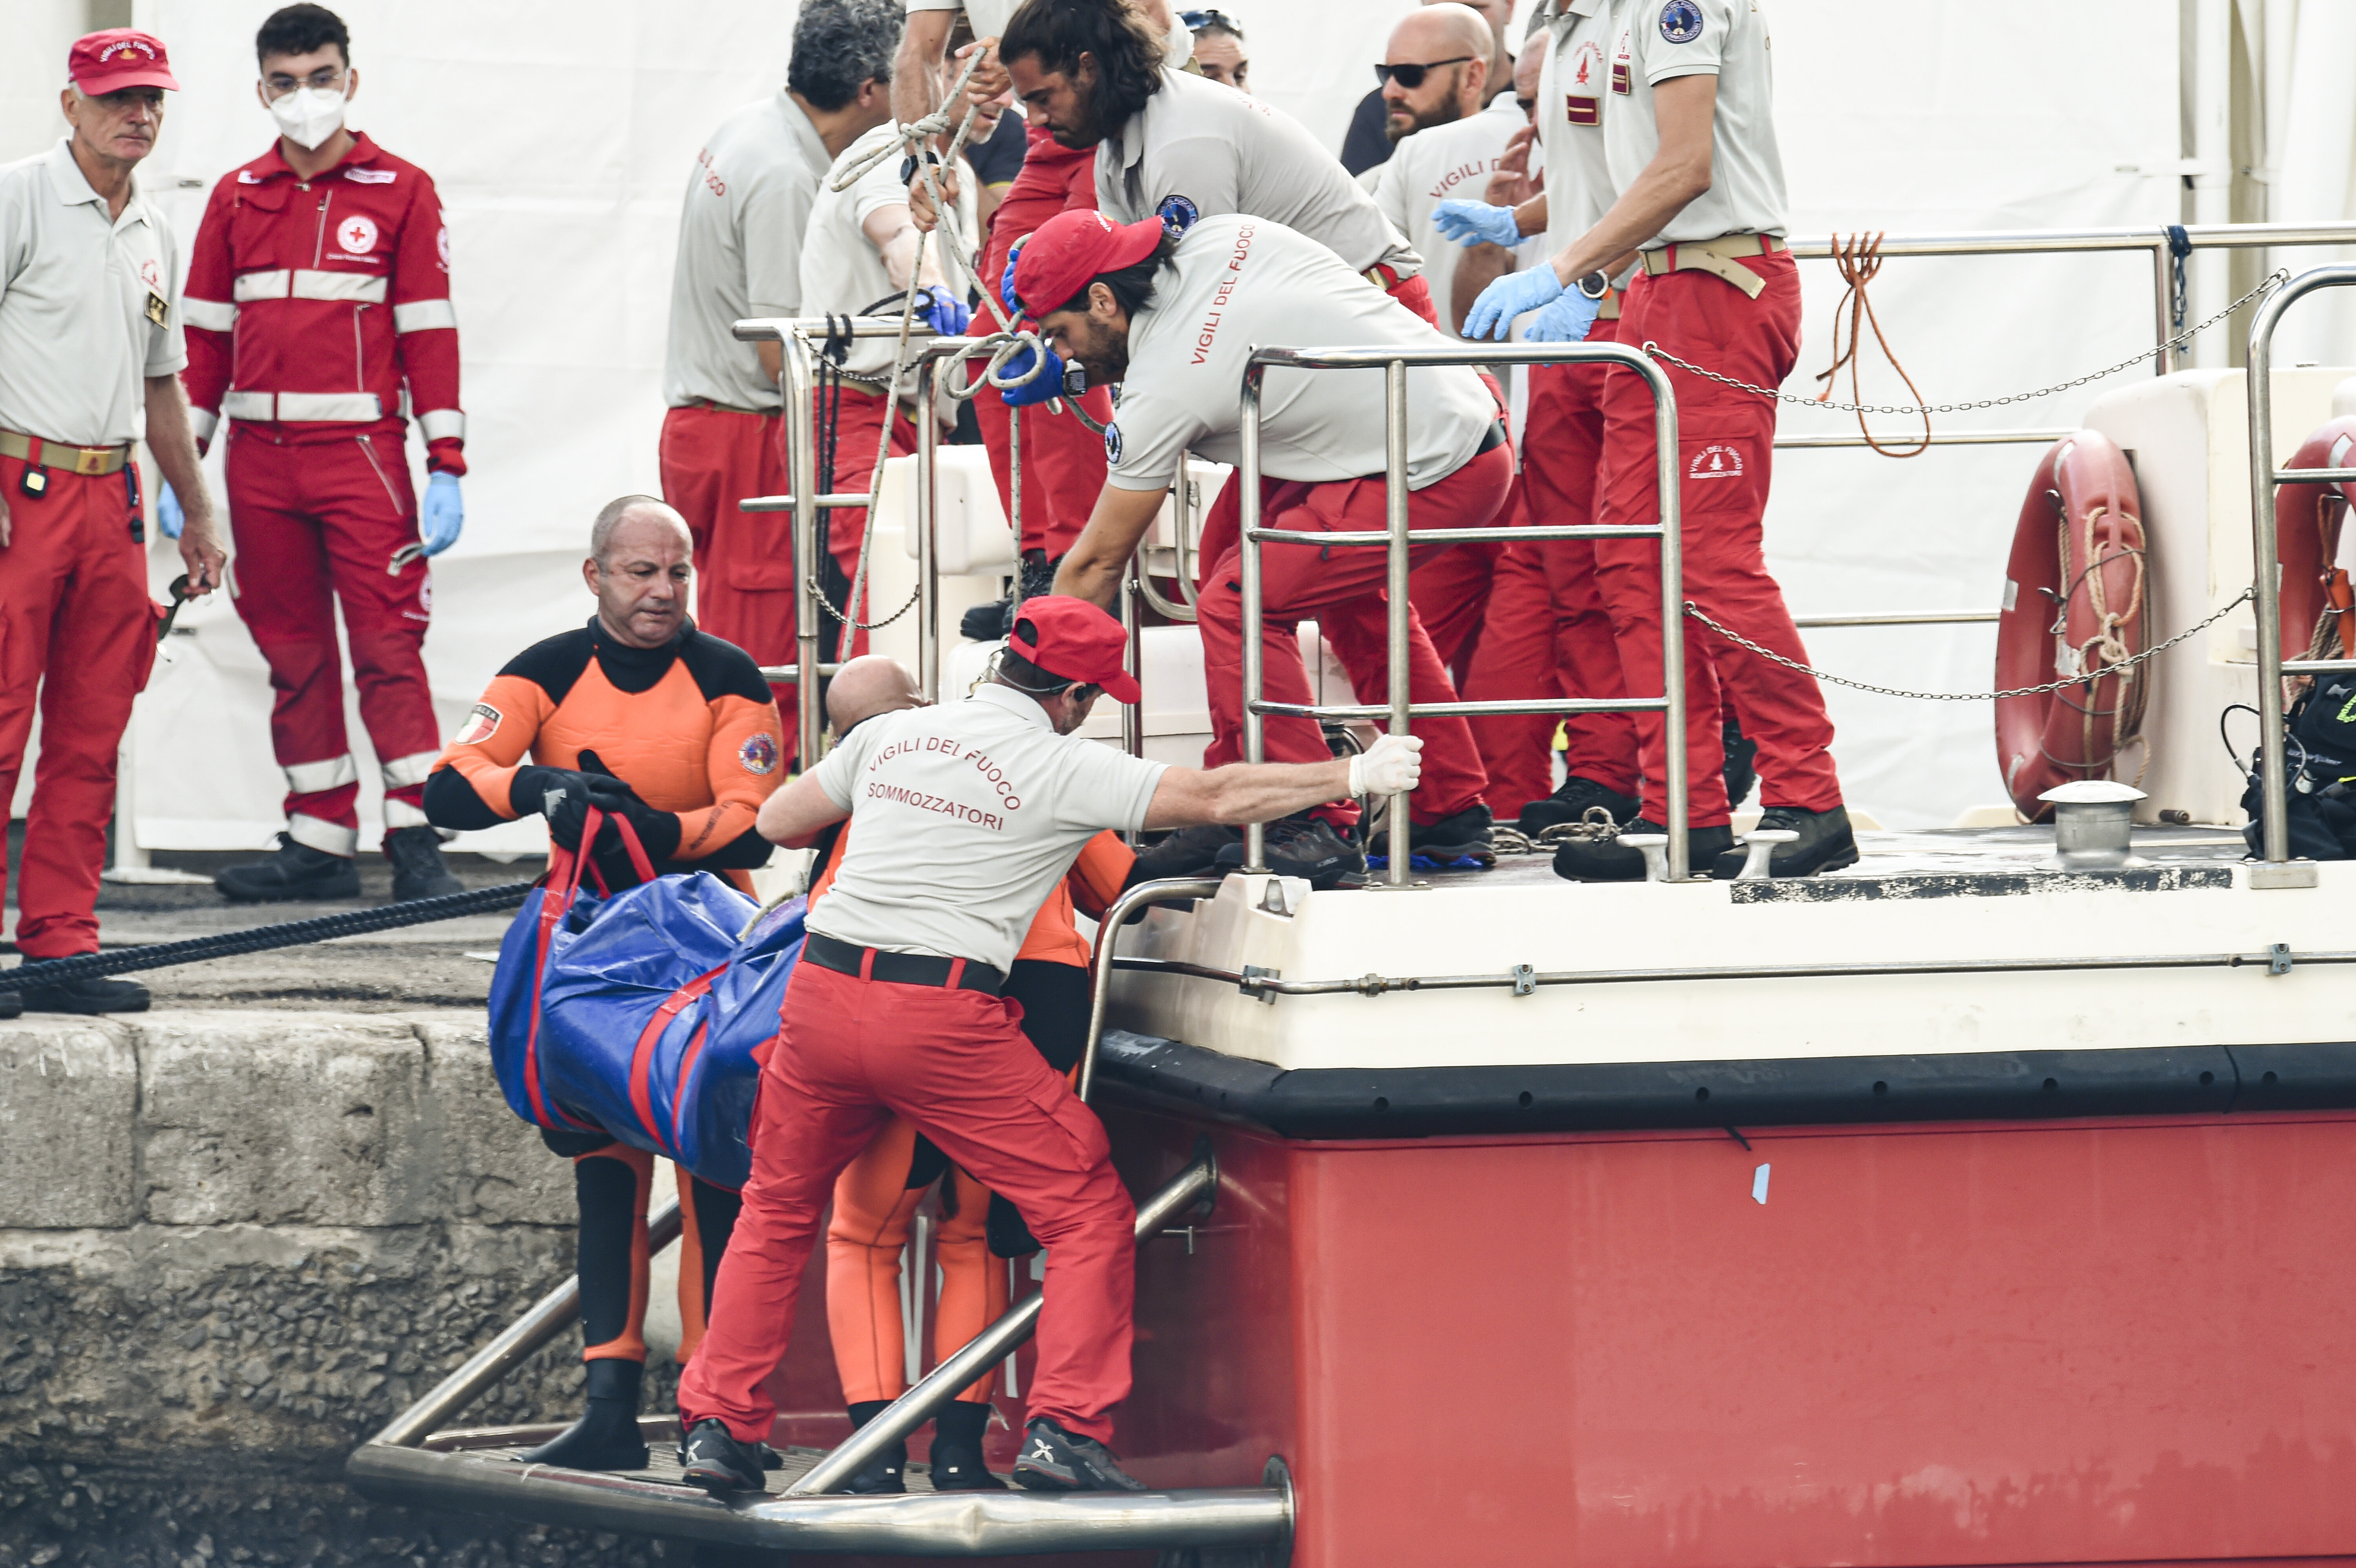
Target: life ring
[
  {"x": 2073, "y": 606},
  {"x": 2308, "y": 520}
]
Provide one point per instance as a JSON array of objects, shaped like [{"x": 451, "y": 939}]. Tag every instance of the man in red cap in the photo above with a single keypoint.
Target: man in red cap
[
  {"x": 1174, "y": 321},
  {"x": 89, "y": 343},
  {"x": 319, "y": 293},
  {"x": 964, "y": 818}
]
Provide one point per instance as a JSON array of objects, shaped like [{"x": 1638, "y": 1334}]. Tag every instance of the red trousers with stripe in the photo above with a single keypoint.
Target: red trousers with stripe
[
  {"x": 77, "y": 631},
  {"x": 1343, "y": 591},
  {"x": 850, "y": 1052},
  {"x": 316, "y": 525},
  {"x": 1725, "y": 450},
  {"x": 711, "y": 460}
]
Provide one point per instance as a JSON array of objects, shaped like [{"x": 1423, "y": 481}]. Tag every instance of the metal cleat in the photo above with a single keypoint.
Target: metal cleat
[{"x": 1760, "y": 844}]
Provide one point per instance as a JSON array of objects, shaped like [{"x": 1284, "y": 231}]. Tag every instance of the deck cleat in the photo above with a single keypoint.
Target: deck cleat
[
  {"x": 1055, "y": 1460},
  {"x": 1611, "y": 860},
  {"x": 1822, "y": 842}
]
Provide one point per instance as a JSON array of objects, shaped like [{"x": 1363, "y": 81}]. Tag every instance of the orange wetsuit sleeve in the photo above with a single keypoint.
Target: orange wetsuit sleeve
[
  {"x": 495, "y": 737},
  {"x": 1099, "y": 873},
  {"x": 746, "y": 744}
]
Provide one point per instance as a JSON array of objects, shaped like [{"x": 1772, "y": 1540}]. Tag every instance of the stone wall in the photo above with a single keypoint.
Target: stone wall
[{"x": 234, "y": 1243}]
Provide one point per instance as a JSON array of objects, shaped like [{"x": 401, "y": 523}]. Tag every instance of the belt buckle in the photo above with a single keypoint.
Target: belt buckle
[{"x": 91, "y": 460}]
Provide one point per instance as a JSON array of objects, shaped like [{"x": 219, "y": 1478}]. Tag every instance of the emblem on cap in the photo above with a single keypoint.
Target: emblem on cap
[
  {"x": 1681, "y": 21},
  {"x": 758, "y": 754},
  {"x": 1112, "y": 445}
]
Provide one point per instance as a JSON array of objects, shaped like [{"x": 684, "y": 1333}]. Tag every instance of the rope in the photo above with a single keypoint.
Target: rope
[
  {"x": 2272, "y": 281},
  {"x": 1773, "y": 656},
  {"x": 2105, "y": 654},
  {"x": 260, "y": 938},
  {"x": 1859, "y": 258},
  {"x": 1596, "y": 825}
]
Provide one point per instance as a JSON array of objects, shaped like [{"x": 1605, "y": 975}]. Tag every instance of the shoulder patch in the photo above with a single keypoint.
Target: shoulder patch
[
  {"x": 1681, "y": 21},
  {"x": 482, "y": 723},
  {"x": 1178, "y": 214},
  {"x": 1112, "y": 444},
  {"x": 721, "y": 669},
  {"x": 758, "y": 754},
  {"x": 555, "y": 663},
  {"x": 247, "y": 177}
]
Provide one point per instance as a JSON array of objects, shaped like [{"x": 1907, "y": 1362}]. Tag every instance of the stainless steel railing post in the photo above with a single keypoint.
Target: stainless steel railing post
[
  {"x": 1133, "y": 714},
  {"x": 2163, "y": 298},
  {"x": 1401, "y": 564},
  {"x": 801, "y": 440},
  {"x": 1168, "y": 890},
  {"x": 928, "y": 523},
  {"x": 1248, "y": 576},
  {"x": 1673, "y": 621}
]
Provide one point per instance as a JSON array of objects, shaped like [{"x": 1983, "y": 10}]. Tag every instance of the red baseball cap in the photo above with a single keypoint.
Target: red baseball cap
[
  {"x": 101, "y": 63},
  {"x": 1073, "y": 639},
  {"x": 1076, "y": 244}
]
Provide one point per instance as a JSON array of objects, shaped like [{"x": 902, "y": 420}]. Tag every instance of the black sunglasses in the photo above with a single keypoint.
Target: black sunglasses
[
  {"x": 1195, "y": 21},
  {"x": 1411, "y": 76}
]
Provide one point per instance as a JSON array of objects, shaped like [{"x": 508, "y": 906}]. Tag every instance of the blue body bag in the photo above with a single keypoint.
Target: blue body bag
[{"x": 640, "y": 1014}]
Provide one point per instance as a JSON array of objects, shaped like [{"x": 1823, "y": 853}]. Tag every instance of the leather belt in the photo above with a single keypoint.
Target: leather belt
[
  {"x": 1493, "y": 440},
  {"x": 39, "y": 453},
  {"x": 730, "y": 409},
  {"x": 903, "y": 968},
  {"x": 1715, "y": 256}
]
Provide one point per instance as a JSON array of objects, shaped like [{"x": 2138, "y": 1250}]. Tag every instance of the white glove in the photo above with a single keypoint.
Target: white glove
[{"x": 1392, "y": 765}]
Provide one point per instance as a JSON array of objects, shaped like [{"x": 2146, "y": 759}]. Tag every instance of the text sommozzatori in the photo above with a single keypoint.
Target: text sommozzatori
[{"x": 922, "y": 800}]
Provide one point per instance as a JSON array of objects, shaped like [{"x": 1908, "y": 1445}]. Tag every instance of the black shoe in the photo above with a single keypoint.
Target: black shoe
[
  {"x": 417, "y": 868},
  {"x": 715, "y": 1461},
  {"x": 1463, "y": 836},
  {"x": 1740, "y": 773},
  {"x": 885, "y": 1475},
  {"x": 957, "y": 1463},
  {"x": 89, "y": 998},
  {"x": 1609, "y": 860},
  {"x": 1189, "y": 852},
  {"x": 607, "y": 1437},
  {"x": 1826, "y": 844},
  {"x": 1037, "y": 576},
  {"x": 1305, "y": 847},
  {"x": 986, "y": 622},
  {"x": 1055, "y": 1460},
  {"x": 1570, "y": 803},
  {"x": 295, "y": 871}
]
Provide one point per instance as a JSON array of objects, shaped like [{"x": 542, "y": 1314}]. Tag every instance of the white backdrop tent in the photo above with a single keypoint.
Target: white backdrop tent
[{"x": 561, "y": 138}]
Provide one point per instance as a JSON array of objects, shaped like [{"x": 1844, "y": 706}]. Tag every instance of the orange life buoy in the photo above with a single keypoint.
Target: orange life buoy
[
  {"x": 2308, "y": 520},
  {"x": 2073, "y": 606}
]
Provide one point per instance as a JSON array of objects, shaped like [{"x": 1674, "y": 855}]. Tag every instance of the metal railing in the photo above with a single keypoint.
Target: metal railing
[
  {"x": 1398, "y": 539},
  {"x": 2277, "y": 870}
]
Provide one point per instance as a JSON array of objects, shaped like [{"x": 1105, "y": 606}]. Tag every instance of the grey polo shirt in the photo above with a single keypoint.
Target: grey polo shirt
[
  {"x": 740, "y": 248},
  {"x": 1226, "y": 153},
  {"x": 90, "y": 305},
  {"x": 964, "y": 817}
]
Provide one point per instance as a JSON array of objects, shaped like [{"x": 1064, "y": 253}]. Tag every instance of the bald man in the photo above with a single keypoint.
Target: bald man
[
  {"x": 637, "y": 713},
  {"x": 876, "y": 1196},
  {"x": 1370, "y": 140}
]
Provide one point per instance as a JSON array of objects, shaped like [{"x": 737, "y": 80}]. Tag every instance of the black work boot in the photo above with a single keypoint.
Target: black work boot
[
  {"x": 1826, "y": 844},
  {"x": 89, "y": 998},
  {"x": 1055, "y": 1460},
  {"x": 958, "y": 1465},
  {"x": 887, "y": 1473},
  {"x": 1741, "y": 755},
  {"x": 295, "y": 871},
  {"x": 1189, "y": 852},
  {"x": 1463, "y": 835},
  {"x": 986, "y": 622},
  {"x": 714, "y": 1460},
  {"x": 417, "y": 868},
  {"x": 1609, "y": 860},
  {"x": 1569, "y": 803},
  {"x": 1302, "y": 846},
  {"x": 607, "y": 1437}
]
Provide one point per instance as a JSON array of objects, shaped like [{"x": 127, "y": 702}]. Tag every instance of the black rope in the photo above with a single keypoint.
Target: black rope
[{"x": 260, "y": 938}]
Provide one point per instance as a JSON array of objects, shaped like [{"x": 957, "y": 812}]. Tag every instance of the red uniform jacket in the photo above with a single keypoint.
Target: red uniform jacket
[{"x": 310, "y": 302}]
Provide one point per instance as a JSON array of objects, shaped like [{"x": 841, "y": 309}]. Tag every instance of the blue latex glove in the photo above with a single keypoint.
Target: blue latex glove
[
  {"x": 1567, "y": 320},
  {"x": 1048, "y": 383},
  {"x": 1476, "y": 222},
  {"x": 1493, "y": 313},
  {"x": 945, "y": 314},
  {"x": 1006, "y": 283},
  {"x": 445, "y": 514},
  {"x": 169, "y": 518}
]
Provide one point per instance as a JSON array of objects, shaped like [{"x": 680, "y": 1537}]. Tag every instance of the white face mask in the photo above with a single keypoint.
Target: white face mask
[
  {"x": 309, "y": 115},
  {"x": 1179, "y": 46}
]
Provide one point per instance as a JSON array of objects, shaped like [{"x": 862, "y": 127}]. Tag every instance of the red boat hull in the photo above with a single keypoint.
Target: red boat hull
[{"x": 2116, "y": 1340}]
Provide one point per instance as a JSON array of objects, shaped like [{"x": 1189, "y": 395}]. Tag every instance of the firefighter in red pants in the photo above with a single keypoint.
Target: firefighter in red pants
[
  {"x": 963, "y": 819},
  {"x": 1697, "y": 187},
  {"x": 1174, "y": 321},
  {"x": 740, "y": 248},
  {"x": 1063, "y": 460},
  {"x": 89, "y": 343},
  {"x": 319, "y": 291}
]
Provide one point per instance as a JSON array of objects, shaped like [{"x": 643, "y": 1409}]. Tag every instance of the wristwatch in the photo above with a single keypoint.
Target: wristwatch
[{"x": 1595, "y": 285}]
